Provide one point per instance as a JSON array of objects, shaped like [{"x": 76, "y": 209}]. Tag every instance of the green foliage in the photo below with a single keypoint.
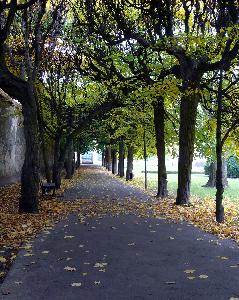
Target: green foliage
[{"x": 233, "y": 167}]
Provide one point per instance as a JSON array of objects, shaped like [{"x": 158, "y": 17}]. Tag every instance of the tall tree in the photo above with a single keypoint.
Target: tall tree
[{"x": 27, "y": 20}]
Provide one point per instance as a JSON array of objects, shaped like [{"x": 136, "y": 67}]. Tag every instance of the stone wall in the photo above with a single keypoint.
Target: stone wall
[{"x": 12, "y": 142}]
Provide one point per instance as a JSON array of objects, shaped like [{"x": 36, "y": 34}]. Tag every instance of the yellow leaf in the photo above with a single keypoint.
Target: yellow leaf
[{"x": 2, "y": 259}]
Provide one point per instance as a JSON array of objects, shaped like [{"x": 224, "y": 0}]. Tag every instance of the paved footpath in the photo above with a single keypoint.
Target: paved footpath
[{"x": 123, "y": 257}]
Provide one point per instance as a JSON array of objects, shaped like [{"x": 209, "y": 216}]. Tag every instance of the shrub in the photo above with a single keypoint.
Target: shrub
[{"x": 233, "y": 167}]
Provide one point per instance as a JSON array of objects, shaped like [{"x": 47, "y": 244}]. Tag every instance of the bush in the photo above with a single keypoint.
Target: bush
[{"x": 233, "y": 167}]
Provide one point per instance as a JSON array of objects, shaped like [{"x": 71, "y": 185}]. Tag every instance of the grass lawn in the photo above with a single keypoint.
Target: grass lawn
[{"x": 198, "y": 180}]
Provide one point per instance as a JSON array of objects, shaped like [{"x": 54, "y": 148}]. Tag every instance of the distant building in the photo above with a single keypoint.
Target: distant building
[{"x": 91, "y": 157}]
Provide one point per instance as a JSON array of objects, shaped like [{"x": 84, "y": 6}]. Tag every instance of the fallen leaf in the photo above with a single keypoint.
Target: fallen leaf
[
  {"x": 76, "y": 284},
  {"x": 67, "y": 268},
  {"x": 203, "y": 276},
  {"x": 28, "y": 254},
  {"x": 69, "y": 236},
  {"x": 189, "y": 271},
  {"x": 2, "y": 259},
  {"x": 100, "y": 265}
]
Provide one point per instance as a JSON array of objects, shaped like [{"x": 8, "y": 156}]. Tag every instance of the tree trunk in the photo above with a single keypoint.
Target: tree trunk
[
  {"x": 109, "y": 158},
  {"x": 219, "y": 184},
  {"x": 70, "y": 160},
  {"x": 106, "y": 158},
  {"x": 159, "y": 119},
  {"x": 46, "y": 163},
  {"x": 103, "y": 158},
  {"x": 130, "y": 160},
  {"x": 224, "y": 173},
  {"x": 212, "y": 174},
  {"x": 59, "y": 159},
  {"x": 145, "y": 161},
  {"x": 47, "y": 168},
  {"x": 24, "y": 92},
  {"x": 78, "y": 159},
  {"x": 31, "y": 168},
  {"x": 121, "y": 158},
  {"x": 188, "y": 114},
  {"x": 56, "y": 169},
  {"x": 114, "y": 161}
]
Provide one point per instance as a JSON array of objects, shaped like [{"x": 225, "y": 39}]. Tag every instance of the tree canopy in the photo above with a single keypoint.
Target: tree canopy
[{"x": 162, "y": 73}]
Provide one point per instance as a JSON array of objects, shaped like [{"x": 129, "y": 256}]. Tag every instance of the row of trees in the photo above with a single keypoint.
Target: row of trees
[{"x": 158, "y": 73}]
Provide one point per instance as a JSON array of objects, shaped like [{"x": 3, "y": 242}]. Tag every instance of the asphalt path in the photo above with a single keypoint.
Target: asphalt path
[{"x": 122, "y": 257}]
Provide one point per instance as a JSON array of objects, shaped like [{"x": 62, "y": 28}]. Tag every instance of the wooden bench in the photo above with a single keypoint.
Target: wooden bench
[{"x": 46, "y": 187}]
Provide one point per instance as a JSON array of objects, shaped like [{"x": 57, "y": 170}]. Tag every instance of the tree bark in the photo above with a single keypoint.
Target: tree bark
[
  {"x": 109, "y": 158},
  {"x": 31, "y": 168},
  {"x": 70, "y": 160},
  {"x": 114, "y": 161},
  {"x": 212, "y": 174},
  {"x": 224, "y": 173},
  {"x": 106, "y": 161},
  {"x": 219, "y": 184},
  {"x": 130, "y": 161},
  {"x": 47, "y": 168},
  {"x": 103, "y": 158},
  {"x": 57, "y": 167},
  {"x": 188, "y": 114},
  {"x": 121, "y": 158},
  {"x": 78, "y": 159},
  {"x": 59, "y": 159},
  {"x": 159, "y": 123},
  {"x": 22, "y": 91},
  {"x": 46, "y": 162}
]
